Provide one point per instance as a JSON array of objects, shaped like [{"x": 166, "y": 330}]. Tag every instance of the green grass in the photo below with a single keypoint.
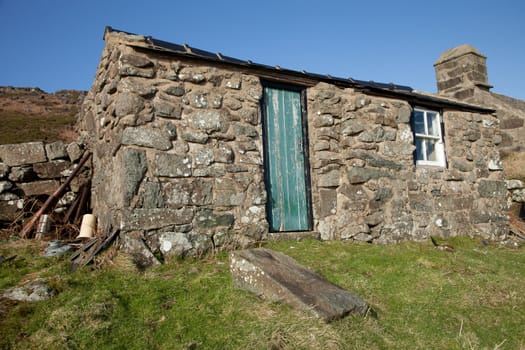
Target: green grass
[{"x": 425, "y": 299}]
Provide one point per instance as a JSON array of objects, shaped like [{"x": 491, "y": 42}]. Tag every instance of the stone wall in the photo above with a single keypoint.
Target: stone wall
[
  {"x": 516, "y": 195},
  {"x": 511, "y": 113},
  {"x": 367, "y": 187},
  {"x": 461, "y": 73},
  {"x": 36, "y": 170},
  {"x": 176, "y": 152},
  {"x": 178, "y": 165}
]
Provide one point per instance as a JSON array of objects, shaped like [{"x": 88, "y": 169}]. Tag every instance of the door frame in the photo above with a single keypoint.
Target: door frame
[{"x": 305, "y": 147}]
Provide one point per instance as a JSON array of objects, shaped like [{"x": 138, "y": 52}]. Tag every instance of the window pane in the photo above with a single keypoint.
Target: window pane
[
  {"x": 431, "y": 150},
  {"x": 433, "y": 123},
  {"x": 419, "y": 149},
  {"x": 419, "y": 122},
  {"x": 428, "y": 140}
]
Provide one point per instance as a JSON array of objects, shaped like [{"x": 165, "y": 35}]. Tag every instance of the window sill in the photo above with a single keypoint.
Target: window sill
[{"x": 431, "y": 166}]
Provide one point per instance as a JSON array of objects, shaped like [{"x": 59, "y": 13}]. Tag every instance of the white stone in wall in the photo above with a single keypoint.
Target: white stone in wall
[
  {"x": 514, "y": 184},
  {"x": 495, "y": 164}
]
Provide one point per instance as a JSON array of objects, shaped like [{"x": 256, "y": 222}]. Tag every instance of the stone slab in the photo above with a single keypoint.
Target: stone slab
[
  {"x": 56, "y": 150},
  {"x": 23, "y": 153},
  {"x": 39, "y": 187},
  {"x": 148, "y": 219},
  {"x": 277, "y": 277},
  {"x": 35, "y": 290},
  {"x": 146, "y": 137},
  {"x": 52, "y": 169}
]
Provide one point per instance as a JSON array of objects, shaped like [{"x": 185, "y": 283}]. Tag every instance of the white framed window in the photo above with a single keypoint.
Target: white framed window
[{"x": 428, "y": 138}]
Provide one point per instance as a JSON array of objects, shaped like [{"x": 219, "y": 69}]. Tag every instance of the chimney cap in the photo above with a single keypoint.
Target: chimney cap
[{"x": 456, "y": 52}]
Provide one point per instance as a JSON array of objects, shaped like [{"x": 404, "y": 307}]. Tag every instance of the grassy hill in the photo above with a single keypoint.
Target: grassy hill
[{"x": 30, "y": 114}]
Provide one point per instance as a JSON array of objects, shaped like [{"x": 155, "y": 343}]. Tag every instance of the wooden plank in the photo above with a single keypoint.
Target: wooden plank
[
  {"x": 296, "y": 218},
  {"x": 87, "y": 252},
  {"x": 273, "y": 162},
  {"x": 285, "y": 164}
]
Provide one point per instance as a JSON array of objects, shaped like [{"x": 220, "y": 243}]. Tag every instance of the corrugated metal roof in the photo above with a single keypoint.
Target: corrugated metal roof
[{"x": 376, "y": 88}]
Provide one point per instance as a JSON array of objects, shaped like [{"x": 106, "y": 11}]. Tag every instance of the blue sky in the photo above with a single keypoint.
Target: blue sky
[{"x": 56, "y": 44}]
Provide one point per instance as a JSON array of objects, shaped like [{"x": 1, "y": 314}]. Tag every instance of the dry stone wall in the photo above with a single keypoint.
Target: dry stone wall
[
  {"x": 36, "y": 169},
  {"x": 511, "y": 113},
  {"x": 367, "y": 187},
  {"x": 516, "y": 194},
  {"x": 177, "y": 153},
  {"x": 178, "y": 165}
]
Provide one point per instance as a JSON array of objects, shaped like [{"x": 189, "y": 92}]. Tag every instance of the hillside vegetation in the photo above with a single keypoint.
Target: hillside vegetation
[
  {"x": 30, "y": 114},
  {"x": 514, "y": 165}
]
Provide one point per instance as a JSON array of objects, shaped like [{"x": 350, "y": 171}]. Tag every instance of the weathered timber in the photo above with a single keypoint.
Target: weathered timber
[
  {"x": 277, "y": 277},
  {"x": 80, "y": 255},
  {"x": 87, "y": 252}
]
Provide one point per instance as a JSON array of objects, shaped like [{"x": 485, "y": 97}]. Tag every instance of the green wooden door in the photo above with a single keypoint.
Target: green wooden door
[{"x": 286, "y": 162}]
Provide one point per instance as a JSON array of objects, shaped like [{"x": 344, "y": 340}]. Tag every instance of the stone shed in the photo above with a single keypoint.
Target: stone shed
[{"x": 195, "y": 150}]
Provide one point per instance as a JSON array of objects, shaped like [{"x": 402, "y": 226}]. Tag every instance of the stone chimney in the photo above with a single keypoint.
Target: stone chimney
[{"x": 460, "y": 71}]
